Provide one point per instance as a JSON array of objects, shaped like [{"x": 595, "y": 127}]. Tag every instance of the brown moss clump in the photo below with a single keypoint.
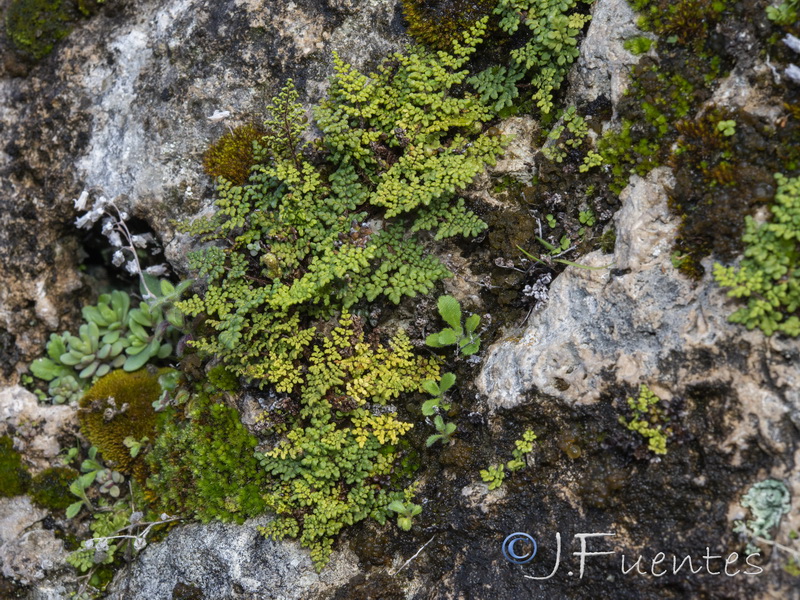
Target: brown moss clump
[
  {"x": 438, "y": 23},
  {"x": 231, "y": 156},
  {"x": 117, "y": 406}
]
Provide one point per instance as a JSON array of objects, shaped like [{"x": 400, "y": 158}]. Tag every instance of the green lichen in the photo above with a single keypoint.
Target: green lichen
[
  {"x": 50, "y": 488},
  {"x": 768, "y": 277},
  {"x": 14, "y": 477},
  {"x": 768, "y": 501}
]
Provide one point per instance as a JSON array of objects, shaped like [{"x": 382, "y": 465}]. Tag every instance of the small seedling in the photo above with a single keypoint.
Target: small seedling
[
  {"x": 727, "y": 128},
  {"x": 445, "y": 430},
  {"x": 463, "y": 337},
  {"x": 135, "y": 445},
  {"x": 586, "y": 217},
  {"x": 406, "y": 511},
  {"x": 93, "y": 472},
  {"x": 495, "y": 474},
  {"x": 438, "y": 390}
]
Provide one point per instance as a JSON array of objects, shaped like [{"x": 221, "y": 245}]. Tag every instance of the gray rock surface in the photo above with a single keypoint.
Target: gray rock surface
[
  {"x": 38, "y": 430},
  {"x": 628, "y": 323},
  {"x": 602, "y": 66},
  {"x": 228, "y": 562},
  {"x": 27, "y": 552}
]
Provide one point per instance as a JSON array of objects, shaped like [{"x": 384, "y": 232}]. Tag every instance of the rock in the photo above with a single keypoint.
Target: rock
[
  {"x": 518, "y": 160},
  {"x": 37, "y": 428},
  {"x": 228, "y": 561},
  {"x": 642, "y": 322},
  {"x": 31, "y": 556},
  {"x": 16, "y": 515},
  {"x": 602, "y": 68},
  {"x": 27, "y": 552}
]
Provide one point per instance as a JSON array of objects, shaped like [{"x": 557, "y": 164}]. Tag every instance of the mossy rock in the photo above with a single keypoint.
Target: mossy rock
[
  {"x": 437, "y": 23},
  {"x": 14, "y": 477},
  {"x": 231, "y": 156},
  {"x": 50, "y": 488},
  {"x": 120, "y": 405},
  {"x": 222, "y": 379},
  {"x": 35, "y": 26}
]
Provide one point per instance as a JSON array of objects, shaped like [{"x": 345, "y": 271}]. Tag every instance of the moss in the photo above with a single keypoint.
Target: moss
[
  {"x": 684, "y": 21},
  {"x": 638, "y": 45},
  {"x": 14, "y": 477},
  {"x": 719, "y": 179},
  {"x": 222, "y": 379},
  {"x": 203, "y": 464},
  {"x": 438, "y": 22},
  {"x": 50, "y": 488},
  {"x": 231, "y": 156},
  {"x": 35, "y": 26},
  {"x": 117, "y": 406},
  {"x": 608, "y": 240}
]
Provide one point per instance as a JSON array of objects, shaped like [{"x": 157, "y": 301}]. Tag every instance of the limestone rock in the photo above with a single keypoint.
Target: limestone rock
[
  {"x": 38, "y": 429},
  {"x": 603, "y": 64},
  {"x": 27, "y": 552},
  {"x": 228, "y": 561}
]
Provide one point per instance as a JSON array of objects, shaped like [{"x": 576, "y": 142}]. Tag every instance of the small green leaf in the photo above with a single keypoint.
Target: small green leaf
[
  {"x": 136, "y": 362},
  {"x": 432, "y": 439},
  {"x": 447, "y": 337},
  {"x": 471, "y": 348},
  {"x": 432, "y": 340},
  {"x": 46, "y": 369},
  {"x": 74, "y": 508},
  {"x": 450, "y": 310},
  {"x": 429, "y": 407},
  {"x": 448, "y": 379},
  {"x": 430, "y": 386},
  {"x": 472, "y": 323}
]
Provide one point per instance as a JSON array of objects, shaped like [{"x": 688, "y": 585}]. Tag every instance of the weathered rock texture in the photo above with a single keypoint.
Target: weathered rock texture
[
  {"x": 228, "y": 561},
  {"x": 40, "y": 432},
  {"x": 28, "y": 552},
  {"x": 120, "y": 109}
]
